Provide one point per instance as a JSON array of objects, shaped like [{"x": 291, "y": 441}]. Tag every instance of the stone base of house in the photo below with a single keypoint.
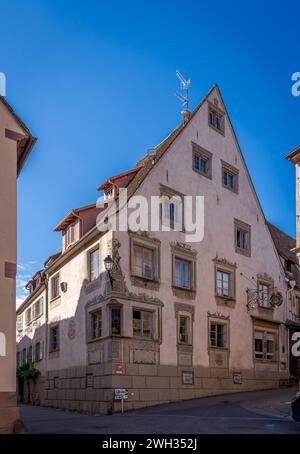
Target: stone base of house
[
  {"x": 91, "y": 389},
  {"x": 9, "y": 413}
]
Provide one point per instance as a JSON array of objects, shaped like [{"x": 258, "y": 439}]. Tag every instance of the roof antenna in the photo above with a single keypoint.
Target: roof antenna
[{"x": 184, "y": 97}]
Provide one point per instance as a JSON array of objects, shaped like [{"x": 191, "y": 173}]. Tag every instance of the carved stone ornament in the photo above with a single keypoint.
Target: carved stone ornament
[
  {"x": 223, "y": 261},
  {"x": 218, "y": 315}
]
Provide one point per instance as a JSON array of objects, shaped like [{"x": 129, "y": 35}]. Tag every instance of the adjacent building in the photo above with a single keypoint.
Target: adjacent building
[
  {"x": 151, "y": 312},
  {"x": 16, "y": 142}
]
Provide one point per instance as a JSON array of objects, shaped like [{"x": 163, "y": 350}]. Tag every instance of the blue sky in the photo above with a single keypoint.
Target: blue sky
[{"x": 95, "y": 82}]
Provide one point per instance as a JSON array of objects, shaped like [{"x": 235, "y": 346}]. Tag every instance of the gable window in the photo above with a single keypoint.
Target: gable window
[
  {"x": 70, "y": 235},
  {"x": 172, "y": 208},
  {"x": 202, "y": 161},
  {"x": 115, "y": 321},
  {"x": 96, "y": 322},
  {"x": 242, "y": 232},
  {"x": 218, "y": 335},
  {"x": 184, "y": 329},
  {"x": 265, "y": 345},
  {"x": 55, "y": 291},
  {"x": 229, "y": 176},
  {"x": 143, "y": 262},
  {"x": 183, "y": 273},
  {"x": 54, "y": 338},
  {"x": 37, "y": 352},
  {"x": 142, "y": 322},
  {"x": 94, "y": 264},
  {"x": 216, "y": 119}
]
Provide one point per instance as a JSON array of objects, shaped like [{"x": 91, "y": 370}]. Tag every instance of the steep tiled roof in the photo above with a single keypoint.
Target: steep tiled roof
[
  {"x": 283, "y": 243},
  {"x": 71, "y": 216}
]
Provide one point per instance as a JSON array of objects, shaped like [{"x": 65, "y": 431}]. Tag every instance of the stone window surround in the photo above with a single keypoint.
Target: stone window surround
[
  {"x": 114, "y": 304},
  {"x": 246, "y": 228},
  {"x": 266, "y": 327},
  {"x": 90, "y": 328},
  {"x": 144, "y": 240},
  {"x": 216, "y": 110},
  {"x": 205, "y": 154},
  {"x": 225, "y": 266},
  {"x": 184, "y": 252},
  {"x": 88, "y": 256},
  {"x": 234, "y": 171},
  {"x": 218, "y": 318},
  {"x": 169, "y": 192},
  {"x": 185, "y": 310}
]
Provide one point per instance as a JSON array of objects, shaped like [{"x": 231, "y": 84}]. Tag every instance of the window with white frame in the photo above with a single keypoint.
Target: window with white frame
[
  {"x": 55, "y": 289},
  {"x": 94, "y": 264},
  {"x": 70, "y": 235},
  {"x": 96, "y": 324},
  {"x": 144, "y": 262},
  {"x": 142, "y": 322},
  {"x": 38, "y": 308},
  {"x": 172, "y": 208},
  {"x": 265, "y": 345},
  {"x": 183, "y": 273},
  {"x": 218, "y": 335},
  {"x": 223, "y": 284}
]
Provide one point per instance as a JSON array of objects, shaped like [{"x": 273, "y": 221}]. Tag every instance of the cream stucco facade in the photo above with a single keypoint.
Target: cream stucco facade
[
  {"x": 15, "y": 144},
  {"x": 162, "y": 336}
]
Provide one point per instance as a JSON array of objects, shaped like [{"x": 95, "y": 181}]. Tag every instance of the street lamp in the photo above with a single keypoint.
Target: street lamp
[{"x": 108, "y": 263}]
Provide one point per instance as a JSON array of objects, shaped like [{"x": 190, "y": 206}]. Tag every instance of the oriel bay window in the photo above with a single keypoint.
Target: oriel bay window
[
  {"x": 96, "y": 324},
  {"x": 115, "y": 321},
  {"x": 142, "y": 322}
]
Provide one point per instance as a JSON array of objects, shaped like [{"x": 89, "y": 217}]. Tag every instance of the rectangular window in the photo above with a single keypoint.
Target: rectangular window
[
  {"x": 20, "y": 323},
  {"x": 38, "y": 308},
  {"x": 143, "y": 262},
  {"x": 264, "y": 295},
  {"x": 216, "y": 119},
  {"x": 115, "y": 315},
  {"x": 28, "y": 316},
  {"x": 142, "y": 324},
  {"x": 96, "y": 321},
  {"x": 24, "y": 355},
  {"x": 202, "y": 160},
  {"x": 223, "y": 284},
  {"x": 229, "y": 176},
  {"x": 242, "y": 237},
  {"x": 94, "y": 259},
  {"x": 183, "y": 329},
  {"x": 183, "y": 273},
  {"x": 228, "y": 179},
  {"x": 18, "y": 359},
  {"x": 37, "y": 352},
  {"x": 265, "y": 345},
  {"x": 55, "y": 291},
  {"x": 217, "y": 335},
  {"x": 172, "y": 207},
  {"x": 54, "y": 338},
  {"x": 30, "y": 353}
]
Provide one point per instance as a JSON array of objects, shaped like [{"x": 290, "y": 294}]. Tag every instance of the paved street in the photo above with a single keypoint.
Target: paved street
[{"x": 263, "y": 412}]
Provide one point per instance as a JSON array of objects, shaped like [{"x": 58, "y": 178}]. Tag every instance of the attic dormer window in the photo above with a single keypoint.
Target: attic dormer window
[
  {"x": 216, "y": 119},
  {"x": 70, "y": 235}
]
